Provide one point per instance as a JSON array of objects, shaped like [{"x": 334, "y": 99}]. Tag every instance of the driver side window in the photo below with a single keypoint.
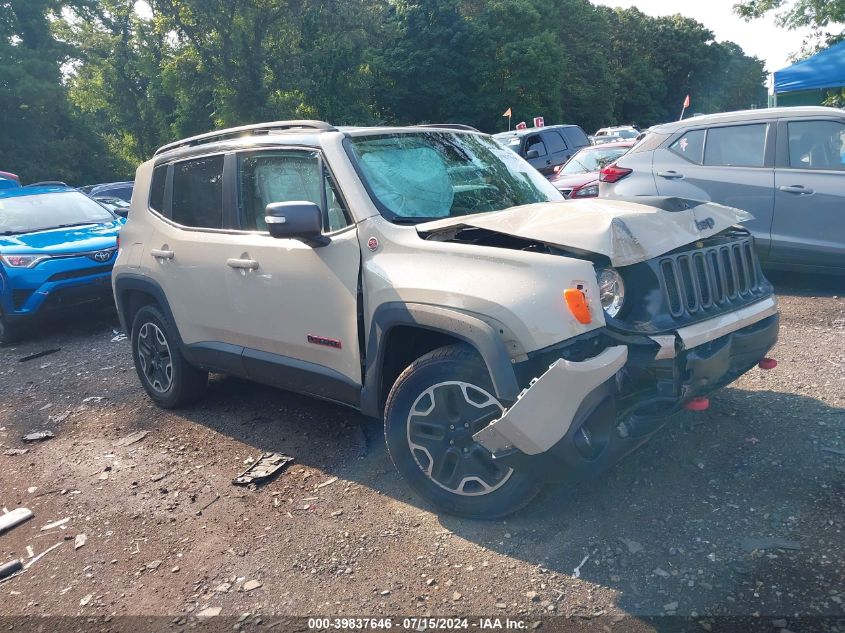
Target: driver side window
[
  {"x": 287, "y": 176},
  {"x": 535, "y": 142}
]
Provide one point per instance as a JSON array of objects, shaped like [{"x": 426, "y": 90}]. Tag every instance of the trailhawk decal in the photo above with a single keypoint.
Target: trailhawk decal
[{"x": 322, "y": 340}]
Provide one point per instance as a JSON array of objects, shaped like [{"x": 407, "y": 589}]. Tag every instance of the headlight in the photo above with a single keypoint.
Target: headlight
[
  {"x": 587, "y": 192},
  {"x": 22, "y": 261},
  {"x": 611, "y": 291}
]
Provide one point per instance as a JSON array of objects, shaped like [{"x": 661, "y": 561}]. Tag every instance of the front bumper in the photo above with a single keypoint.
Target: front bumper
[
  {"x": 581, "y": 417},
  {"x": 24, "y": 304}
]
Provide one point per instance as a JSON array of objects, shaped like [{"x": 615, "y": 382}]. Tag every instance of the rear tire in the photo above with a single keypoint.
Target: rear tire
[
  {"x": 432, "y": 411},
  {"x": 166, "y": 376}
]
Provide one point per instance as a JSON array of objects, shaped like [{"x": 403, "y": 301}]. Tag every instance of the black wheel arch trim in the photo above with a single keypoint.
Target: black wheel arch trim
[
  {"x": 467, "y": 328},
  {"x": 127, "y": 282}
]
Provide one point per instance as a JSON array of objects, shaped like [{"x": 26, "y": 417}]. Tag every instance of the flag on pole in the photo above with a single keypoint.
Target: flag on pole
[
  {"x": 686, "y": 102},
  {"x": 508, "y": 113}
]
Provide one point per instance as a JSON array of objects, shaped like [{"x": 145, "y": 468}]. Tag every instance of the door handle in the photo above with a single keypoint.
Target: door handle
[
  {"x": 798, "y": 189},
  {"x": 242, "y": 264},
  {"x": 671, "y": 175},
  {"x": 162, "y": 254}
]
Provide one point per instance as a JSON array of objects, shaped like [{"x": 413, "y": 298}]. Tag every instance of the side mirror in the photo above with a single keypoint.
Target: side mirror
[
  {"x": 299, "y": 220},
  {"x": 531, "y": 154}
]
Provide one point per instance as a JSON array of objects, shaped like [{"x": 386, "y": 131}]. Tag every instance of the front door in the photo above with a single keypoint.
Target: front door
[
  {"x": 297, "y": 304},
  {"x": 809, "y": 223}
]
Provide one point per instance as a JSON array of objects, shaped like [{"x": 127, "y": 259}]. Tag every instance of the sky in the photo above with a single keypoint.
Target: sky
[{"x": 761, "y": 37}]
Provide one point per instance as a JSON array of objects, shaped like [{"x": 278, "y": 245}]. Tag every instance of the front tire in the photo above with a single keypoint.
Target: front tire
[
  {"x": 167, "y": 377},
  {"x": 8, "y": 333},
  {"x": 432, "y": 411}
]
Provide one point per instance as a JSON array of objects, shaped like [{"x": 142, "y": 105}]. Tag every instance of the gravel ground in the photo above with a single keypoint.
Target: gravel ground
[{"x": 735, "y": 511}]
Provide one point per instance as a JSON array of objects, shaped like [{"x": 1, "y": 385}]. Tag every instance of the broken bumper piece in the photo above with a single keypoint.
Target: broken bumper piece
[{"x": 544, "y": 412}]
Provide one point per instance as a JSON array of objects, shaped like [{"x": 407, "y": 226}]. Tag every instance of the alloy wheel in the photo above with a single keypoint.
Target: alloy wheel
[
  {"x": 154, "y": 357},
  {"x": 440, "y": 426}
]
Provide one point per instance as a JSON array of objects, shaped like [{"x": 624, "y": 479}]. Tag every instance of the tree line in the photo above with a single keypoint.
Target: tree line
[{"x": 90, "y": 88}]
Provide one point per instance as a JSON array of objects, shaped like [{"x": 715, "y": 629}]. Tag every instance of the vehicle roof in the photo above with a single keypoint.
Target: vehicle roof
[
  {"x": 533, "y": 130},
  {"x": 121, "y": 183},
  {"x": 19, "y": 192},
  {"x": 617, "y": 127},
  {"x": 747, "y": 115},
  {"x": 306, "y": 133}
]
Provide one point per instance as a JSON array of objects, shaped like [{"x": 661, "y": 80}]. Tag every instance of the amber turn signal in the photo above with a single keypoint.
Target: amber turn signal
[{"x": 576, "y": 301}]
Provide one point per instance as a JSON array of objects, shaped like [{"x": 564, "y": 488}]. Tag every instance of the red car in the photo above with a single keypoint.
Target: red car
[{"x": 579, "y": 177}]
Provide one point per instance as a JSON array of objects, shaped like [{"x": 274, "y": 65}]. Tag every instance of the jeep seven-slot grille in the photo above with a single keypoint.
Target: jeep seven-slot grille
[{"x": 699, "y": 279}]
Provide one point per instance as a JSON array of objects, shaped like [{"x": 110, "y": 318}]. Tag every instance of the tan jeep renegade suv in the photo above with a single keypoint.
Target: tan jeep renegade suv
[{"x": 430, "y": 276}]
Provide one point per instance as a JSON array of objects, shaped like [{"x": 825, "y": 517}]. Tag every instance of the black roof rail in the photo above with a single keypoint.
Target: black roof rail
[
  {"x": 450, "y": 126},
  {"x": 47, "y": 183},
  {"x": 246, "y": 130}
]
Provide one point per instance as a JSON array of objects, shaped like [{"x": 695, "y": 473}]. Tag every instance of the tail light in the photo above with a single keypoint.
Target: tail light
[{"x": 613, "y": 173}]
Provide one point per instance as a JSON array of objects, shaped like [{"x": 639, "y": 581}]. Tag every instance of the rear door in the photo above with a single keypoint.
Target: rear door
[
  {"x": 185, "y": 254},
  {"x": 575, "y": 138},
  {"x": 729, "y": 164},
  {"x": 809, "y": 222},
  {"x": 559, "y": 152}
]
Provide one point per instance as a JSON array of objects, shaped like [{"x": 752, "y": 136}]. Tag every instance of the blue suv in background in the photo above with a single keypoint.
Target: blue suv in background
[{"x": 57, "y": 249}]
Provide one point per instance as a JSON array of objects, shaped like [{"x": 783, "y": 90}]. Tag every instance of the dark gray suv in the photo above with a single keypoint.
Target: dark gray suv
[
  {"x": 545, "y": 148},
  {"x": 785, "y": 166}
]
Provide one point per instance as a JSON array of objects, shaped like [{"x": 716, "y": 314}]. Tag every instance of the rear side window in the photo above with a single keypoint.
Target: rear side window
[
  {"x": 690, "y": 146},
  {"x": 157, "y": 188},
  {"x": 652, "y": 140},
  {"x": 554, "y": 142},
  {"x": 535, "y": 142},
  {"x": 817, "y": 145},
  {"x": 198, "y": 193},
  {"x": 737, "y": 145},
  {"x": 575, "y": 136}
]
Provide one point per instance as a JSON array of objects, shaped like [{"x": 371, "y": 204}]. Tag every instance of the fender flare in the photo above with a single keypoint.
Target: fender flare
[
  {"x": 127, "y": 282},
  {"x": 467, "y": 328}
]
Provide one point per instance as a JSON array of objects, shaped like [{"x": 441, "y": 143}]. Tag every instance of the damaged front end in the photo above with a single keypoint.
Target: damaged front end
[{"x": 695, "y": 318}]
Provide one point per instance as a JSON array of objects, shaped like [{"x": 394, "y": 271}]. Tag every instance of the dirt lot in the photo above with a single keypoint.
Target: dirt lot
[{"x": 738, "y": 510}]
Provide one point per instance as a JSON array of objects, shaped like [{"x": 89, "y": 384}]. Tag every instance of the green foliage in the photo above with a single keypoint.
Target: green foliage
[
  {"x": 814, "y": 13},
  {"x": 92, "y": 87},
  {"x": 42, "y": 136}
]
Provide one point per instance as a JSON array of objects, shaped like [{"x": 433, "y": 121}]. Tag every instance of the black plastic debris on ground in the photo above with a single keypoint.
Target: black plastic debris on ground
[
  {"x": 41, "y": 354},
  {"x": 38, "y": 436},
  {"x": 267, "y": 466}
]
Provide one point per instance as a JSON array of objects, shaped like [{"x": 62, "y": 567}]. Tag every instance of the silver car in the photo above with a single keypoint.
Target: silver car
[{"x": 785, "y": 166}]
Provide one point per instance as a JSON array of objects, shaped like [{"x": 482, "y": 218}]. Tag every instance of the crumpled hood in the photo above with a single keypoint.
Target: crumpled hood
[
  {"x": 76, "y": 239},
  {"x": 627, "y": 231}
]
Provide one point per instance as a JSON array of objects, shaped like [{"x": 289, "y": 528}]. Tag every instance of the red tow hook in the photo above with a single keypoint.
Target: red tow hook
[
  {"x": 697, "y": 404},
  {"x": 767, "y": 363}
]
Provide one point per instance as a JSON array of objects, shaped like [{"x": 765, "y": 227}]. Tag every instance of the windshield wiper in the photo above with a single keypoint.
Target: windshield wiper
[
  {"x": 12, "y": 232},
  {"x": 402, "y": 219}
]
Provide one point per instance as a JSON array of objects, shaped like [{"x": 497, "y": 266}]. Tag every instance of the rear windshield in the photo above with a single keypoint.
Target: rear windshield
[
  {"x": 591, "y": 159},
  {"x": 27, "y": 214},
  {"x": 426, "y": 175},
  {"x": 627, "y": 133}
]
